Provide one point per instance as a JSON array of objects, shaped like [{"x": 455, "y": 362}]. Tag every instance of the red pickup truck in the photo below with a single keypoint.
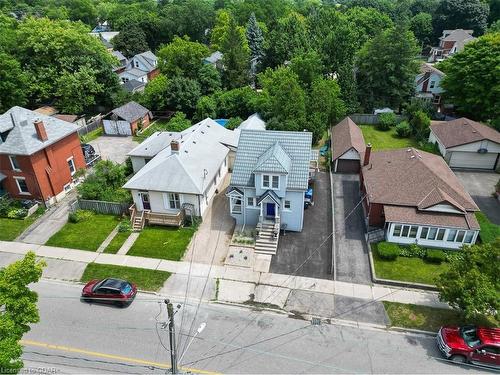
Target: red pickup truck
[{"x": 470, "y": 344}]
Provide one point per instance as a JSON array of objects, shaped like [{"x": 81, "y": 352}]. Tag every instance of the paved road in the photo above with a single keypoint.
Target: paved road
[
  {"x": 294, "y": 248},
  {"x": 481, "y": 185},
  {"x": 351, "y": 260},
  {"x": 96, "y": 339}
]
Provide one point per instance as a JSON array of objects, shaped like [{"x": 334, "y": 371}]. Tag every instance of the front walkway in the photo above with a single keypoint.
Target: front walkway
[
  {"x": 235, "y": 284},
  {"x": 214, "y": 233},
  {"x": 49, "y": 223}
]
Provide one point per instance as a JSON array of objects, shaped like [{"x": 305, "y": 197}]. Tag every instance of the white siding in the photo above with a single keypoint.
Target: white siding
[
  {"x": 433, "y": 139},
  {"x": 352, "y": 154},
  {"x": 425, "y": 242},
  {"x": 463, "y": 159},
  {"x": 492, "y": 147}
]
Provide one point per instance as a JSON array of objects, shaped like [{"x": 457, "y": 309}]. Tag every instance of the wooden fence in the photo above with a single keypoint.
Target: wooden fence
[
  {"x": 102, "y": 207},
  {"x": 369, "y": 119},
  {"x": 92, "y": 125}
]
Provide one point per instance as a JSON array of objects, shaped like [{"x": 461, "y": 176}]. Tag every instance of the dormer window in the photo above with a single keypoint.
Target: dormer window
[{"x": 270, "y": 182}]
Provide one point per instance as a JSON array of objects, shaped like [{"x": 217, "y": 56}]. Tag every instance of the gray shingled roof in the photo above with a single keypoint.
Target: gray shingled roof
[
  {"x": 255, "y": 143},
  {"x": 147, "y": 58},
  {"x": 131, "y": 111},
  {"x": 275, "y": 159},
  {"x": 133, "y": 85},
  {"x": 192, "y": 169},
  {"x": 214, "y": 57},
  {"x": 134, "y": 72},
  {"x": 22, "y": 138}
]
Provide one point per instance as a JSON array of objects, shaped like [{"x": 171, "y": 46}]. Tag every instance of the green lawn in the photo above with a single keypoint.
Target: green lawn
[
  {"x": 85, "y": 235},
  {"x": 429, "y": 318},
  {"x": 94, "y": 134},
  {"x": 145, "y": 279},
  {"x": 385, "y": 140},
  {"x": 162, "y": 242},
  {"x": 157, "y": 126},
  {"x": 414, "y": 270},
  {"x": 117, "y": 242},
  {"x": 489, "y": 231},
  {"x": 11, "y": 228}
]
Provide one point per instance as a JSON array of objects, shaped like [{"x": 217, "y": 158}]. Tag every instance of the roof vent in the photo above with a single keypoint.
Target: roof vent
[
  {"x": 194, "y": 142},
  {"x": 202, "y": 132},
  {"x": 208, "y": 126},
  {"x": 412, "y": 157},
  {"x": 474, "y": 131}
]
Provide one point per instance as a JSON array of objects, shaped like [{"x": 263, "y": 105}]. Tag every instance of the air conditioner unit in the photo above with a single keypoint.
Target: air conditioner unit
[{"x": 482, "y": 151}]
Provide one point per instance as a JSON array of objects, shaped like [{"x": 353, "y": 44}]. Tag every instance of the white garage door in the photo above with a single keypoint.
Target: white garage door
[
  {"x": 462, "y": 159},
  {"x": 116, "y": 127}
]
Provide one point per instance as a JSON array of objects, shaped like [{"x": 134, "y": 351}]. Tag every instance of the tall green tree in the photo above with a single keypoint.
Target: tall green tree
[
  {"x": 209, "y": 79},
  {"x": 386, "y": 69},
  {"x": 472, "y": 79},
  {"x": 13, "y": 83},
  {"x": 368, "y": 22},
  {"x": 284, "y": 100},
  {"x": 48, "y": 50},
  {"x": 131, "y": 41},
  {"x": 255, "y": 39},
  {"x": 183, "y": 94},
  {"x": 461, "y": 14},
  {"x": 77, "y": 90},
  {"x": 18, "y": 308},
  {"x": 182, "y": 57},
  {"x": 81, "y": 10},
  {"x": 421, "y": 26},
  {"x": 288, "y": 39},
  {"x": 220, "y": 29},
  {"x": 236, "y": 57},
  {"x": 206, "y": 107},
  {"x": 308, "y": 67},
  {"x": 154, "y": 96},
  {"x": 471, "y": 283}
]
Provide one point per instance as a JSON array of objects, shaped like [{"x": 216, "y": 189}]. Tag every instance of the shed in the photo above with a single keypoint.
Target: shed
[
  {"x": 127, "y": 119},
  {"x": 348, "y": 146}
]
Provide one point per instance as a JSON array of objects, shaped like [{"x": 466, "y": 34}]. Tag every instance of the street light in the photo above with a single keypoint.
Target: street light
[{"x": 198, "y": 331}]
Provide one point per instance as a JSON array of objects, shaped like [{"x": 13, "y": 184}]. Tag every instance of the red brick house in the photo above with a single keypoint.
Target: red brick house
[
  {"x": 415, "y": 198},
  {"x": 127, "y": 119},
  {"x": 39, "y": 155}
]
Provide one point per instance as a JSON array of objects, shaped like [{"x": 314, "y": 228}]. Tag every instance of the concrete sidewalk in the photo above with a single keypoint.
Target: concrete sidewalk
[{"x": 235, "y": 284}]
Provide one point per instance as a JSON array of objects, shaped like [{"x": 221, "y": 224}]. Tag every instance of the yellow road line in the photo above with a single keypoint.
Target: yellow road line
[{"x": 110, "y": 356}]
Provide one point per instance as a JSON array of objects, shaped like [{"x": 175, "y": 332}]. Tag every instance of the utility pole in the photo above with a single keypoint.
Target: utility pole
[{"x": 171, "y": 335}]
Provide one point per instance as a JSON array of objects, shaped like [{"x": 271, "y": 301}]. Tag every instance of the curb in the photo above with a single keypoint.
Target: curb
[{"x": 413, "y": 330}]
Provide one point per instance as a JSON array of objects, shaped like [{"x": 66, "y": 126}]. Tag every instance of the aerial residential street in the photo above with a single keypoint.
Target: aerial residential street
[{"x": 95, "y": 338}]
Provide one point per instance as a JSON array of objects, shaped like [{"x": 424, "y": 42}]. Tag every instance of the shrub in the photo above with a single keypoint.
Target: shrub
[
  {"x": 386, "y": 121},
  {"x": 233, "y": 123},
  {"x": 79, "y": 216},
  {"x": 412, "y": 251},
  {"x": 387, "y": 250},
  {"x": 124, "y": 226},
  {"x": 433, "y": 148},
  {"x": 435, "y": 256},
  {"x": 453, "y": 255},
  {"x": 17, "y": 213},
  {"x": 403, "y": 129},
  {"x": 419, "y": 124}
]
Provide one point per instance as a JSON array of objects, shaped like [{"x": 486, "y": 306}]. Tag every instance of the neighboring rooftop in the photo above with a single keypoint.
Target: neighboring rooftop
[
  {"x": 290, "y": 150},
  {"x": 136, "y": 72},
  {"x": 253, "y": 122},
  {"x": 67, "y": 118},
  {"x": 421, "y": 179},
  {"x": 462, "y": 131},
  {"x": 22, "y": 138},
  {"x": 131, "y": 111},
  {"x": 47, "y": 110},
  {"x": 190, "y": 170},
  {"x": 457, "y": 34},
  {"x": 134, "y": 85},
  {"x": 214, "y": 57},
  {"x": 346, "y": 135},
  {"x": 429, "y": 68},
  {"x": 148, "y": 59}
]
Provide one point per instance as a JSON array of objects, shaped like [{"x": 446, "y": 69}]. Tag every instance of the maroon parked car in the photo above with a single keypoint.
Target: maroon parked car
[
  {"x": 480, "y": 346},
  {"x": 119, "y": 292}
]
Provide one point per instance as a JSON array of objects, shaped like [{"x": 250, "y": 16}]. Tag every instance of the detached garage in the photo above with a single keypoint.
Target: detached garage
[
  {"x": 348, "y": 144},
  {"x": 467, "y": 144},
  {"x": 127, "y": 119}
]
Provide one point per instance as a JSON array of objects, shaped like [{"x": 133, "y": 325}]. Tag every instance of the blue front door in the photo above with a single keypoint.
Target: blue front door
[{"x": 270, "y": 209}]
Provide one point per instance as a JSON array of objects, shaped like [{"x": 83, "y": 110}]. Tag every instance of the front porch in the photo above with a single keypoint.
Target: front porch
[{"x": 145, "y": 217}]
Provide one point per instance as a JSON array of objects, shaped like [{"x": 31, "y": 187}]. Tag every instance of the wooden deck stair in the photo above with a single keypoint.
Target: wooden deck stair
[{"x": 267, "y": 239}]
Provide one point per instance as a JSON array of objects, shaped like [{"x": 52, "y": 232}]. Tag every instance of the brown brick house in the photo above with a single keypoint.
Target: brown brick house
[
  {"x": 416, "y": 198},
  {"x": 39, "y": 155}
]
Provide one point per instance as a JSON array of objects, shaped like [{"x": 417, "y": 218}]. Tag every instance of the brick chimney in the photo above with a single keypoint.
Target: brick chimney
[
  {"x": 368, "y": 152},
  {"x": 40, "y": 130},
  {"x": 175, "y": 146}
]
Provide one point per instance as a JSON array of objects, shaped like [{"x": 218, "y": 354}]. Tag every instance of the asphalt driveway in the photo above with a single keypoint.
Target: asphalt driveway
[
  {"x": 294, "y": 248},
  {"x": 351, "y": 258},
  {"x": 113, "y": 148},
  {"x": 481, "y": 186}
]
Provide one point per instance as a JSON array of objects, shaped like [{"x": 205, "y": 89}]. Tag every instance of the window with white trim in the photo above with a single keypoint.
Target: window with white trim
[
  {"x": 405, "y": 231},
  {"x": 397, "y": 230},
  {"x": 174, "y": 201},
  {"x": 71, "y": 165},
  {"x": 440, "y": 235},
  {"x": 251, "y": 202},
  {"x": 21, "y": 185},
  {"x": 460, "y": 236},
  {"x": 451, "y": 235},
  {"x": 270, "y": 182},
  {"x": 288, "y": 205},
  {"x": 235, "y": 205},
  {"x": 14, "y": 163},
  {"x": 469, "y": 236}
]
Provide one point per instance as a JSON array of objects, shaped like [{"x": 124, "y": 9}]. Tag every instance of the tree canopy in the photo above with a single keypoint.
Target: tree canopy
[
  {"x": 472, "y": 80},
  {"x": 461, "y": 14},
  {"x": 182, "y": 57}
]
